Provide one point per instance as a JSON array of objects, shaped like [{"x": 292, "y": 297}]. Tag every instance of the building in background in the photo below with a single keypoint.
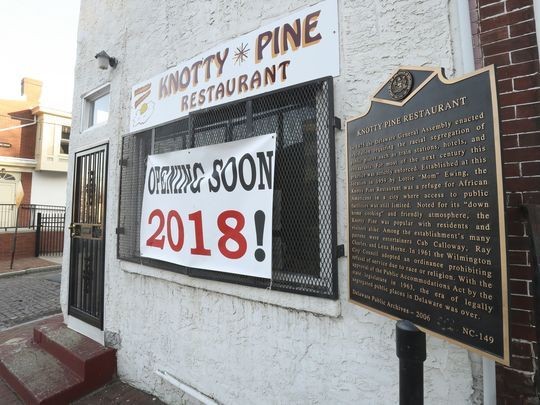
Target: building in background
[
  {"x": 51, "y": 154},
  {"x": 184, "y": 331},
  {"x": 34, "y": 147},
  {"x": 34, "y": 150}
]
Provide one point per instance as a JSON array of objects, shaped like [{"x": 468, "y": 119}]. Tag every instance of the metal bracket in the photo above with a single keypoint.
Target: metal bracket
[
  {"x": 123, "y": 162},
  {"x": 337, "y": 123},
  {"x": 120, "y": 231},
  {"x": 340, "y": 251}
]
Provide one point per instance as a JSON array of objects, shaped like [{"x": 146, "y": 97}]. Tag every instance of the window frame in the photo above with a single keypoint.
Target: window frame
[
  {"x": 286, "y": 278},
  {"x": 88, "y": 106},
  {"x": 64, "y": 141}
]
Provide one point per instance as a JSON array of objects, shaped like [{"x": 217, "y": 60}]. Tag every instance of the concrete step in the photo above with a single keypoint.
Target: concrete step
[
  {"x": 93, "y": 362},
  {"x": 7, "y": 396},
  {"x": 37, "y": 376},
  {"x": 46, "y": 363}
]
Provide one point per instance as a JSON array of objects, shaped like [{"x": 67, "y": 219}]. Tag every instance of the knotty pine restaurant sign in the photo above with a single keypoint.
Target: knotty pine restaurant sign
[
  {"x": 426, "y": 209},
  {"x": 301, "y": 47}
]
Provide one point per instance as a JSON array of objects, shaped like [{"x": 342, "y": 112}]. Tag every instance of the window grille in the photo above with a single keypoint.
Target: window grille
[{"x": 304, "y": 212}]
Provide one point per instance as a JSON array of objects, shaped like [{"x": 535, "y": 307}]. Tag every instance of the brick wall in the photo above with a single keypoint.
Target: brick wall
[
  {"x": 26, "y": 244},
  {"x": 22, "y": 140},
  {"x": 504, "y": 35},
  {"x": 26, "y": 181}
]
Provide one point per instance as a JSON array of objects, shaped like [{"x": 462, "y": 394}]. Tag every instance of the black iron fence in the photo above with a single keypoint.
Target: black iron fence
[
  {"x": 50, "y": 233},
  {"x": 25, "y": 215}
]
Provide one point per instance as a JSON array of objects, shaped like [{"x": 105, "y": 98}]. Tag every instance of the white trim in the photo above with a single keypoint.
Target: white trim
[
  {"x": 318, "y": 306},
  {"x": 97, "y": 92},
  {"x": 199, "y": 396},
  {"x": 87, "y": 100},
  {"x": 465, "y": 35},
  {"x": 51, "y": 111},
  {"x": 17, "y": 162},
  {"x": 85, "y": 329},
  {"x": 490, "y": 390}
]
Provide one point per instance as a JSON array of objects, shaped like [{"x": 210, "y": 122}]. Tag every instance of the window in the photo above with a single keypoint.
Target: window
[
  {"x": 304, "y": 219},
  {"x": 10, "y": 187},
  {"x": 96, "y": 107},
  {"x": 6, "y": 176},
  {"x": 99, "y": 110},
  {"x": 64, "y": 140}
]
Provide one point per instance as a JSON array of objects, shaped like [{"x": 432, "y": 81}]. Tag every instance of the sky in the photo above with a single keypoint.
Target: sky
[{"x": 38, "y": 39}]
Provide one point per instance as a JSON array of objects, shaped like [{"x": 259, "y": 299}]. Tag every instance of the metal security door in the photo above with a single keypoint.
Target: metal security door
[{"x": 87, "y": 260}]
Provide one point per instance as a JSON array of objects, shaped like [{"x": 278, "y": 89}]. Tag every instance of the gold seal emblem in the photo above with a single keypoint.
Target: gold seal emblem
[{"x": 400, "y": 85}]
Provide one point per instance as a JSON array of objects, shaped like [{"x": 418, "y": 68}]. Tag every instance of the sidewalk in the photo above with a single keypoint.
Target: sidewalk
[
  {"x": 116, "y": 392},
  {"x": 29, "y": 263}
]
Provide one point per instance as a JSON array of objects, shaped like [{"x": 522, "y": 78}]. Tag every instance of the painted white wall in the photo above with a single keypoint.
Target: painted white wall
[
  {"x": 49, "y": 188},
  {"x": 236, "y": 344}
]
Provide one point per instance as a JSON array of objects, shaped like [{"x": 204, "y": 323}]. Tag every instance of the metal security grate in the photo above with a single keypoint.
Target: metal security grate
[
  {"x": 50, "y": 233},
  {"x": 87, "y": 252},
  {"x": 304, "y": 214}
]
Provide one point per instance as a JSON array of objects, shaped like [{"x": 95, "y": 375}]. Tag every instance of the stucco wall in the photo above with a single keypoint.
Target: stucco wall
[{"x": 242, "y": 345}]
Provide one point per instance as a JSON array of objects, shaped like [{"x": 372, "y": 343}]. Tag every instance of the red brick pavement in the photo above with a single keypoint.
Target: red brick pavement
[
  {"x": 116, "y": 393},
  {"x": 24, "y": 264}
]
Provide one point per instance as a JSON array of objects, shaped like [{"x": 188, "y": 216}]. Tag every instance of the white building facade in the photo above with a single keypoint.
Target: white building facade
[{"x": 191, "y": 335}]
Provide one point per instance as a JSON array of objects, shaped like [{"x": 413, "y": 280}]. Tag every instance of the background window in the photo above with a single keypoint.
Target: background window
[
  {"x": 64, "y": 141},
  {"x": 304, "y": 218}
]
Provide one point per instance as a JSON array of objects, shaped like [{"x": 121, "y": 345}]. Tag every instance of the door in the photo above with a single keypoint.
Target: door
[
  {"x": 8, "y": 208},
  {"x": 87, "y": 260}
]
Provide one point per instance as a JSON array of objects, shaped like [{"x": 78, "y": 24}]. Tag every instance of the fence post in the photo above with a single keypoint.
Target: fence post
[
  {"x": 411, "y": 351},
  {"x": 38, "y": 234}
]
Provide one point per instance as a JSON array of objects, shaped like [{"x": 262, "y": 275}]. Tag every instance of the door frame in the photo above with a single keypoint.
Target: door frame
[{"x": 76, "y": 319}]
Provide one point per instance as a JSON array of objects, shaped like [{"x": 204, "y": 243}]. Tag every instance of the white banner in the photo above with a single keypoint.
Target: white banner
[
  {"x": 298, "y": 48},
  {"x": 211, "y": 207}
]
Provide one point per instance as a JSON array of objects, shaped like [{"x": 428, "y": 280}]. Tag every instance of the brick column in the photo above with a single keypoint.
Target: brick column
[
  {"x": 26, "y": 180},
  {"x": 504, "y": 35}
]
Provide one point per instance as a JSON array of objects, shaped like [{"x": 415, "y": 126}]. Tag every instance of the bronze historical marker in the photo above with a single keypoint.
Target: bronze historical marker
[{"x": 426, "y": 214}]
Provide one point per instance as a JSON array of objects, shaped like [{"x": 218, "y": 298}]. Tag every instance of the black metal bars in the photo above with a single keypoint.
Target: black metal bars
[
  {"x": 304, "y": 219},
  {"x": 50, "y": 233},
  {"x": 27, "y": 215}
]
